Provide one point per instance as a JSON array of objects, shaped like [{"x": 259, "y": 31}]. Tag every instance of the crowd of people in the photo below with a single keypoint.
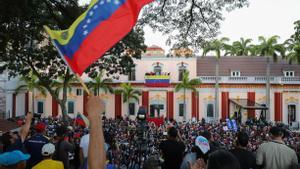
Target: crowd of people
[{"x": 55, "y": 143}]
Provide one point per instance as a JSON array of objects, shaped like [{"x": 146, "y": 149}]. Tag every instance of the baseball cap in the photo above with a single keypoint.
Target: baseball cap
[
  {"x": 12, "y": 158},
  {"x": 48, "y": 149},
  {"x": 202, "y": 143},
  {"x": 40, "y": 127}
]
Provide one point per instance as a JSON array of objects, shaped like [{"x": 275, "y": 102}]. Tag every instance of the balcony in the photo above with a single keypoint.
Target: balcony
[
  {"x": 251, "y": 79},
  {"x": 157, "y": 80}
]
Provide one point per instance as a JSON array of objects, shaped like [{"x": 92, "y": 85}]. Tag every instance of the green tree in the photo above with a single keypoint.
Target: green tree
[
  {"x": 99, "y": 83},
  {"x": 293, "y": 45},
  {"x": 270, "y": 49},
  {"x": 188, "y": 22},
  {"x": 186, "y": 84},
  {"x": 242, "y": 47},
  {"x": 293, "y": 55},
  {"x": 253, "y": 50},
  {"x": 24, "y": 46},
  {"x": 217, "y": 46},
  {"x": 31, "y": 84},
  {"x": 64, "y": 84},
  {"x": 128, "y": 93}
]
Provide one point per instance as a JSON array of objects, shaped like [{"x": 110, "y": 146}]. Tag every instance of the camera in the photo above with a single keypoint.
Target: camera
[{"x": 142, "y": 129}]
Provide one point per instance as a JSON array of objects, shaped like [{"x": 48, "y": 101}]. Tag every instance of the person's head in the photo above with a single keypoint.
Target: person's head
[
  {"x": 40, "y": 127},
  {"x": 206, "y": 134},
  {"x": 201, "y": 148},
  {"x": 7, "y": 139},
  {"x": 13, "y": 160},
  {"x": 61, "y": 131},
  {"x": 276, "y": 132},
  {"x": 152, "y": 163},
  {"x": 48, "y": 150},
  {"x": 221, "y": 159},
  {"x": 242, "y": 139},
  {"x": 172, "y": 132}
]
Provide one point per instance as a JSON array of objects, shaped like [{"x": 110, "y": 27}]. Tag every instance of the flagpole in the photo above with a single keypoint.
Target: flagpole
[
  {"x": 83, "y": 84},
  {"x": 76, "y": 74}
]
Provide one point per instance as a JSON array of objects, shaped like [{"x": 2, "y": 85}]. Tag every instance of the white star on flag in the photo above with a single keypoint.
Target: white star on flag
[
  {"x": 88, "y": 21},
  {"x": 85, "y": 26},
  {"x": 96, "y": 6},
  {"x": 85, "y": 32},
  {"x": 91, "y": 13}
]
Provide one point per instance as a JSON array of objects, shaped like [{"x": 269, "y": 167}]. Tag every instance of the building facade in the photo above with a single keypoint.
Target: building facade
[{"x": 242, "y": 89}]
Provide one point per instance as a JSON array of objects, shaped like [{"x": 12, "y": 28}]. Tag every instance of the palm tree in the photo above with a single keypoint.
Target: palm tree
[
  {"x": 217, "y": 46},
  {"x": 293, "y": 47},
  {"x": 31, "y": 84},
  {"x": 99, "y": 83},
  {"x": 186, "y": 84},
  {"x": 271, "y": 49},
  {"x": 242, "y": 47},
  {"x": 129, "y": 93},
  {"x": 253, "y": 51}
]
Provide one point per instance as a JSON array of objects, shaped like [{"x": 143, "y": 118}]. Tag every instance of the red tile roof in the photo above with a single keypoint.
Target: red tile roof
[{"x": 247, "y": 65}]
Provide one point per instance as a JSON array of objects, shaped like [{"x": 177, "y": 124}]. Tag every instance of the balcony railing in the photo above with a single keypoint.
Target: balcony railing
[{"x": 251, "y": 79}]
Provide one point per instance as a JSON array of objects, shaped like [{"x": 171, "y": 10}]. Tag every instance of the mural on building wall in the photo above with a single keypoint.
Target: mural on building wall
[
  {"x": 39, "y": 95},
  {"x": 261, "y": 100},
  {"x": 291, "y": 99},
  {"x": 209, "y": 98}
]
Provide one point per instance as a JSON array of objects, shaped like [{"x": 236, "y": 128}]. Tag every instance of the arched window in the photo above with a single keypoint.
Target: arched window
[
  {"x": 131, "y": 74},
  {"x": 181, "y": 70},
  {"x": 210, "y": 110},
  {"x": 157, "y": 69}
]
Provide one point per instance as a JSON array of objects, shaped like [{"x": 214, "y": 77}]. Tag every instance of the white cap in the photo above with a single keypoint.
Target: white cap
[
  {"x": 48, "y": 149},
  {"x": 203, "y": 144}
]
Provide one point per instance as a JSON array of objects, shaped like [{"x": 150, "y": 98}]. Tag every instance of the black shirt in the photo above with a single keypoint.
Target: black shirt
[
  {"x": 34, "y": 147},
  {"x": 246, "y": 158},
  {"x": 172, "y": 153}
]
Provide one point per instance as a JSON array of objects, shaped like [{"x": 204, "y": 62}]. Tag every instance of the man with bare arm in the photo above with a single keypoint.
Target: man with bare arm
[
  {"x": 13, "y": 142},
  {"x": 96, "y": 153}
]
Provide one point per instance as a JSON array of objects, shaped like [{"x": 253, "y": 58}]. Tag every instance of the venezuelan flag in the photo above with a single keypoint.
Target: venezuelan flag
[{"x": 94, "y": 32}]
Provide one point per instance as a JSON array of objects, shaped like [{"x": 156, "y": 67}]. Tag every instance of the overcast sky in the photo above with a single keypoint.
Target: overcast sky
[{"x": 262, "y": 17}]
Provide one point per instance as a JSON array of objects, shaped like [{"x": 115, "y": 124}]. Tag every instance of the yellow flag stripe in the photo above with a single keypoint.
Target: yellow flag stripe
[{"x": 57, "y": 34}]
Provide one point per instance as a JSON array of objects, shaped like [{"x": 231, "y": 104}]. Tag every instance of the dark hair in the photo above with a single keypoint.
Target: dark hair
[
  {"x": 242, "y": 139},
  {"x": 276, "y": 131},
  {"x": 5, "y": 139},
  {"x": 152, "y": 163},
  {"x": 172, "y": 132},
  {"x": 206, "y": 134},
  {"x": 61, "y": 131},
  {"x": 200, "y": 154},
  {"x": 221, "y": 159}
]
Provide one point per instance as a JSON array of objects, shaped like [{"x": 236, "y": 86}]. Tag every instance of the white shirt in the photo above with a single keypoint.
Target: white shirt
[{"x": 84, "y": 144}]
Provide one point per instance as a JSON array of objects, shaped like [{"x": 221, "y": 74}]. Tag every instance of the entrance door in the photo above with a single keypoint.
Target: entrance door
[
  {"x": 291, "y": 114},
  {"x": 155, "y": 110}
]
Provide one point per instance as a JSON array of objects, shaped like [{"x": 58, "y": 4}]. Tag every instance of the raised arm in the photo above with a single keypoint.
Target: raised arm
[
  {"x": 96, "y": 153},
  {"x": 25, "y": 128}
]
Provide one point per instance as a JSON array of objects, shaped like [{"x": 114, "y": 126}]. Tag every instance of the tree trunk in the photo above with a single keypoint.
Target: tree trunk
[
  {"x": 32, "y": 101},
  {"x": 64, "y": 100},
  {"x": 128, "y": 113},
  {"x": 217, "y": 91},
  {"x": 268, "y": 89},
  {"x": 184, "y": 105},
  {"x": 63, "y": 110}
]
